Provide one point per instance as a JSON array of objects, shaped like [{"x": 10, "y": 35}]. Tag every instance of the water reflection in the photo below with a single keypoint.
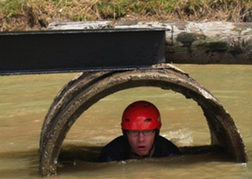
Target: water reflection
[{"x": 24, "y": 101}]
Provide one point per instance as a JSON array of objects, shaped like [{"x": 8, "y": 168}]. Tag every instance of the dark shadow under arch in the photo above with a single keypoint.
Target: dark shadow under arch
[{"x": 88, "y": 88}]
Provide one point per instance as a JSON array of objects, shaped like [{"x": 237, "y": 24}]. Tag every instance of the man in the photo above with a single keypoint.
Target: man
[{"x": 141, "y": 124}]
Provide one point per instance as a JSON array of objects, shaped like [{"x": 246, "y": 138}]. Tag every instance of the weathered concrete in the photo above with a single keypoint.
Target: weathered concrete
[
  {"x": 190, "y": 42},
  {"x": 88, "y": 88}
]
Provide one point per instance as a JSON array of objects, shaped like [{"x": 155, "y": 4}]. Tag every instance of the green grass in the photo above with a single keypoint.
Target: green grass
[
  {"x": 161, "y": 10},
  {"x": 12, "y": 7},
  {"x": 119, "y": 8}
]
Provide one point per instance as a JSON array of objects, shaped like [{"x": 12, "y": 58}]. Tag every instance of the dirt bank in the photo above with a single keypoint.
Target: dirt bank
[{"x": 19, "y": 15}]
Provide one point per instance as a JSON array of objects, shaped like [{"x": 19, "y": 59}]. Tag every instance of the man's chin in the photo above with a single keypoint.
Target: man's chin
[{"x": 142, "y": 152}]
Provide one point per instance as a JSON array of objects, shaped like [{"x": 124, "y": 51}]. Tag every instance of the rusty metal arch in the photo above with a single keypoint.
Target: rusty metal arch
[{"x": 88, "y": 88}]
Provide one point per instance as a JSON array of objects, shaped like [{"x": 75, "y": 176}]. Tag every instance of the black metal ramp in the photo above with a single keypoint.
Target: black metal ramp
[{"x": 80, "y": 50}]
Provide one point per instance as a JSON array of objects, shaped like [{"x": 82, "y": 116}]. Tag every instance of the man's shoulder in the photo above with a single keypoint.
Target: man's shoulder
[
  {"x": 117, "y": 142},
  {"x": 115, "y": 150},
  {"x": 164, "y": 140},
  {"x": 166, "y": 147}
]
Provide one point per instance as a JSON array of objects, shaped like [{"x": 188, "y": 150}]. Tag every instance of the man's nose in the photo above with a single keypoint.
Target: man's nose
[{"x": 141, "y": 137}]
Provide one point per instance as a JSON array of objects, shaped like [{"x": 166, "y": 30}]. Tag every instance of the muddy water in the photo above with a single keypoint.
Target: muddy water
[{"x": 24, "y": 101}]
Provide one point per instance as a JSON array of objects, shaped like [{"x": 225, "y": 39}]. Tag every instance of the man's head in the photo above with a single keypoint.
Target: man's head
[{"x": 141, "y": 123}]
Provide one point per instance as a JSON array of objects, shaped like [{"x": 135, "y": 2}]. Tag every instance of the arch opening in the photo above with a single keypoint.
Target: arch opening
[
  {"x": 183, "y": 123},
  {"x": 88, "y": 88}
]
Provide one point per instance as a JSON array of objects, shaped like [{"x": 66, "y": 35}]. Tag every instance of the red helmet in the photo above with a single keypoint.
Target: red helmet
[{"x": 141, "y": 115}]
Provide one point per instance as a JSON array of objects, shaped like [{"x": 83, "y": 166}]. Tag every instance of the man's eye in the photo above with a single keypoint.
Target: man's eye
[
  {"x": 148, "y": 132},
  {"x": 133, "y": 132}
]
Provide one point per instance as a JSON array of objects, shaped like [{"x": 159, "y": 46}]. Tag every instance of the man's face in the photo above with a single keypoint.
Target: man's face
[{"x": 141, "y": 141}]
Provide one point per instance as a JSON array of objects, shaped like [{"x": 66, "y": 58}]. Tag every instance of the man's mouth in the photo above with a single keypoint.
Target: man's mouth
[{"x": 141, "y": 147}]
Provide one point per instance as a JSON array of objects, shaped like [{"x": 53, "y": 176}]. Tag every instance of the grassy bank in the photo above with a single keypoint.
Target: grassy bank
[{"x": 37, "y": 14}]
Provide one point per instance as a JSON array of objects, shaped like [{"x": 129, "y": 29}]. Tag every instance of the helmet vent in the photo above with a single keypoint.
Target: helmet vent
[
  {"x": 127, "y": 120},
  {"x": 148, "y": 120}
]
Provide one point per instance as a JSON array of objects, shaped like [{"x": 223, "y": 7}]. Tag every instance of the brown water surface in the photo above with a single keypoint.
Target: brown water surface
[{"x": 25, "y": 99}]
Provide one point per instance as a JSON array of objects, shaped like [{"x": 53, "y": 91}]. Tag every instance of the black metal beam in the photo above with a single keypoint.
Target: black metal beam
[{"x": 80, "y": 50}]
